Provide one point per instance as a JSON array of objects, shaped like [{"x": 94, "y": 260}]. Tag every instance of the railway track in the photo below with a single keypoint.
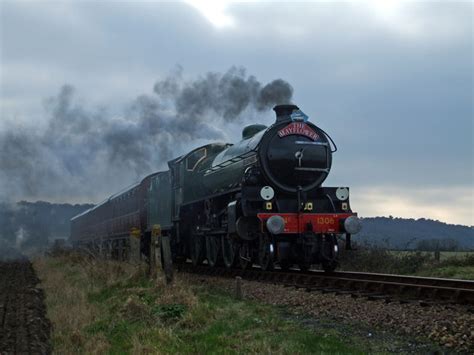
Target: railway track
[{"x": 424, "y": 290}]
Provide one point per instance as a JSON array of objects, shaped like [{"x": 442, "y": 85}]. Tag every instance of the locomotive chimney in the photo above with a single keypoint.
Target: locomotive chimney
[{"x": 283, "y": 112}]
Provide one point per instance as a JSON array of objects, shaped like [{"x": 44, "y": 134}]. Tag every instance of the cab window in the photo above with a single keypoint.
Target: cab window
[{"x": 195, "y": 158}]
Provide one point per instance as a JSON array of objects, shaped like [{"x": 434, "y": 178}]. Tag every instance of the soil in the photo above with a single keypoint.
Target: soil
[{"x": 24, "y": 326}]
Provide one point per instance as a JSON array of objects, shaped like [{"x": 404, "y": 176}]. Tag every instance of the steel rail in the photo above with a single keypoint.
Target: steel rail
[{"x": 372, "y": 285}]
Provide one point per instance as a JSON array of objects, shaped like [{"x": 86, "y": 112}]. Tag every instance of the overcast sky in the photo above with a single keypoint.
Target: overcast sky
[{"x": 391, "y": 82}]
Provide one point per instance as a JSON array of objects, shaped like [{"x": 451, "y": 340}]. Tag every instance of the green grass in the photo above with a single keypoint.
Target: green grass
[
  {"x": 124, "y": 312},
  {"x": 216, "y": 324},
  {"x": 450, "y": 272},
  {"x": 247, "y": 327},
  {"x": 443, "y": 254},
  {"x": 422, "y": 263},
  {"x": 451, "y": 264}
]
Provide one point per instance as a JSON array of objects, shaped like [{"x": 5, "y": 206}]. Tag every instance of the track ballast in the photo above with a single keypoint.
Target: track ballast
[{"x": 388, "y": 287}]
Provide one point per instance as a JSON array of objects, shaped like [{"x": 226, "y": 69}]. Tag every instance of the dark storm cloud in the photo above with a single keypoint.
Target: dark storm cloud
[{"x": 64, "y": 159}]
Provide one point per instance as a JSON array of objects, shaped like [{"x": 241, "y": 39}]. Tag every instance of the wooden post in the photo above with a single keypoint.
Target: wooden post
[
  {"x": 160, "y": 254},
  {"x": 134, "y": 240},
  {"x": 167, "y": 258},
  {"x": 158, "y": 245},
  {"x": 155, "y": 252},
  {"x": 348, "y": 242},
  {"x": 238, "y": 288}
]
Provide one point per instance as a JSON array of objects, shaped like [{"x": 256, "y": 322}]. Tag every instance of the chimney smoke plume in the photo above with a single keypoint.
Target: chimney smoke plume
[{"x": 84, "y": 154}]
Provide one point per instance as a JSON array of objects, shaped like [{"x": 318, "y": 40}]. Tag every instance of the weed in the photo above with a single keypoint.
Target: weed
[{"x": 169, "y": 312}]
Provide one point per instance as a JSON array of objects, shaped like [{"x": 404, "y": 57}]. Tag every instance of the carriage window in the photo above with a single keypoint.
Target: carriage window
[{"x": 195, "y": 158}]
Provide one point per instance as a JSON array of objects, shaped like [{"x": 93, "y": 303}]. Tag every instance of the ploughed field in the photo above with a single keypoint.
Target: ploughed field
[{"x": 24, "y": 326}]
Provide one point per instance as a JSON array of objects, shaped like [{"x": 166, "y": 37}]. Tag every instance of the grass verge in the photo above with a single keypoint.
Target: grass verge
[
  {"x": 374, "y": 259},
  {"x": 449, "y": 272},
  {"x": 108, "y": 307}
]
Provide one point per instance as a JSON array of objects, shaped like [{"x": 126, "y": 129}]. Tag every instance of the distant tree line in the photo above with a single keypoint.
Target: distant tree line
[
  {"x": 27, "y": 225},
  {"x": 415, "y": 234}
]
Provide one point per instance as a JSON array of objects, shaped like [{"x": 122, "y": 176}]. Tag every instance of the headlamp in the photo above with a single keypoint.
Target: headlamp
[
  {"x": 276, "y": 224},
  {"x": 352, "y": 225}
]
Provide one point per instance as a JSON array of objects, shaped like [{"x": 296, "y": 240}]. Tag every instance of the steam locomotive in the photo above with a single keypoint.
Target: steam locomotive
[{"x": 259, "y": 201}]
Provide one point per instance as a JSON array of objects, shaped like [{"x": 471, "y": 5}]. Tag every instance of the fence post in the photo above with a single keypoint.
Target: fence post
[
  {"x": 155, "y": 254},
  {"x": 167, "y": 258},
  {"x": 134, "y": 240},
  {"x": 238, "y": 287}
]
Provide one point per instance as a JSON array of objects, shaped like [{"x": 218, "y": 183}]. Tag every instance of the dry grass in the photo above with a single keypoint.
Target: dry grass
[
  {"x": 68, "y": 308},
  {"x": 178, "y": 293},
  {"x": 99, "y": 307},
  {"x": 72, "y": 282}
]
